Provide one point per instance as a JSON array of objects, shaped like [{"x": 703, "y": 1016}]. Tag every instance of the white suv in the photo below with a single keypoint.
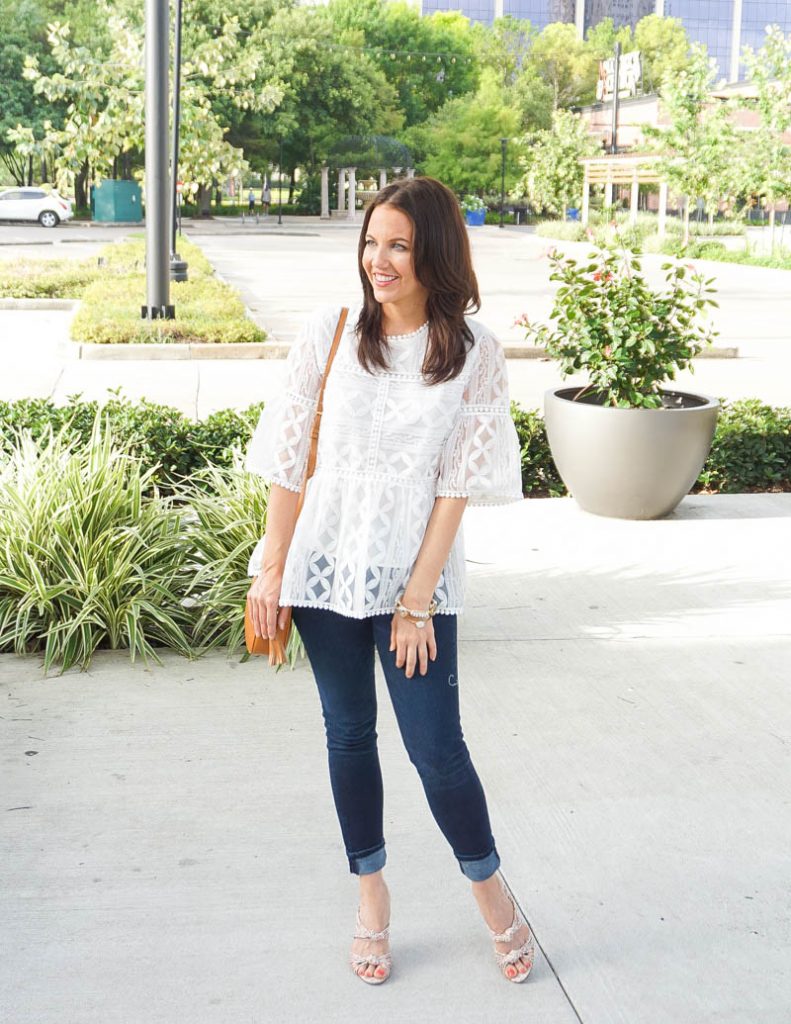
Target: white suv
[{"x": 27, "y": 203}]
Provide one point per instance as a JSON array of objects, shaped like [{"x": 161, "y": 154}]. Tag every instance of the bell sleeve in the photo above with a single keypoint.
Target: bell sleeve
[
  {"x": 279, "y": 447},
  {"x": 481, "y": 459}
]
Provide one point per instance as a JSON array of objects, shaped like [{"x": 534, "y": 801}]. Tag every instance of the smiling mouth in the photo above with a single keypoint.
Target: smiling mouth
[{"x": 383, "y": 279}]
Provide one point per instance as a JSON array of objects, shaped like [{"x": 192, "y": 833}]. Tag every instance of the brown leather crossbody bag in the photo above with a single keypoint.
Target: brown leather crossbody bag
[{"x": 276, "y": 647}]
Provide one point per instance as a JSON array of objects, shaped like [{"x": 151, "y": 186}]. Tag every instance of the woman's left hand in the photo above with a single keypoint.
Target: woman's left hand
[{"x": 413, "y": 646}]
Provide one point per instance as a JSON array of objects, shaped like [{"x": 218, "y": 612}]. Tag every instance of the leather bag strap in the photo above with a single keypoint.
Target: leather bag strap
[{"x": 314, "y": 433}]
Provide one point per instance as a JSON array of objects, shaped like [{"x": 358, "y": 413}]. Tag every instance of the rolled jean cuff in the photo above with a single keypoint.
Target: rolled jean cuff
[
  {"x": 482, "y": 868},
  {"x": 369, "y": 862}
]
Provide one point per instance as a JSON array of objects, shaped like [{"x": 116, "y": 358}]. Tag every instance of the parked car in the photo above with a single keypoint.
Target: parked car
[{"x": 30, "y": 203}]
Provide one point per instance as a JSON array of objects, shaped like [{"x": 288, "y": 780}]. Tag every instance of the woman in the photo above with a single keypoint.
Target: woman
[{"x": 416, "y": 424}]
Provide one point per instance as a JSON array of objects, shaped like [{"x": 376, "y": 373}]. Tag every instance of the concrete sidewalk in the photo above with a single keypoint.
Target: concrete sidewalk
[{"x": 171, "y": 852}]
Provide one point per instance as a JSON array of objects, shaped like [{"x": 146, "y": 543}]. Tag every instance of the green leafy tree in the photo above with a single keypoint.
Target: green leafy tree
[
  {"x": 460, "y": 144},
  {"x": 428, "y": 59},
  {"x": 24, "y": 33},
  {"x": 695, "y": 146},
  {"x": 767, "y": 163},
  {"x": 104, "y": 99},
  {"x": 664, "y": 47},
  {"x": 553, "y": 175},
  {"x": 326, "y": 94},
  {"x": 562, "y": 60},
  {"x": 532, "y": 99},
  {"x": 501, "y": 46}
]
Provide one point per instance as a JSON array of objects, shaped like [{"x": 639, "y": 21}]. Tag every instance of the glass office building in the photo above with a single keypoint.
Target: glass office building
[
  {"x": 725, "y": 26},
  {"x": 756, "y": 15},
  {"x": 540, "y": 13},
  {"x": 622, "y": 12},
  {"x": 709, "y": 22}
]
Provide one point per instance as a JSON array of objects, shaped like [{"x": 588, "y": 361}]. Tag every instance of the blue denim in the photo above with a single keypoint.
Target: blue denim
[{"x": 341, "y": 652}]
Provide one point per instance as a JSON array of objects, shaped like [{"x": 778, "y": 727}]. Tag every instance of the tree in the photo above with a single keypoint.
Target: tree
[
  {"x": 768, "y": 164},
  {"x": 532, "y": 99},
  {"x": 562, "y": 61},
  {"x": 502, "y": 46},
  {"x": 104, "y": 99},
  {"x": 329, "y": 90},
  {"x": 428, "y": 59},
  {"x": 24, "y": 33},
  {"x": 695, "y": 146},
  {"x": 460, "y": 144},
  {"x": 553, "y": 175},
  {"x": 664, "y": 47}
]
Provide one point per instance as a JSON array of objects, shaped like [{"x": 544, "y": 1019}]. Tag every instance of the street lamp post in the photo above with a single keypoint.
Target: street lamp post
[
  {"x": 157, "y": 193},
  {"x": 503, "y": 145},
  {"x": 178, "y": 267},
  {"x": 280, "y": 185}
]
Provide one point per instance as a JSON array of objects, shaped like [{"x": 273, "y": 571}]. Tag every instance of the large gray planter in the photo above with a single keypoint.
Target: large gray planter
[{"x": 629, "y": 463}]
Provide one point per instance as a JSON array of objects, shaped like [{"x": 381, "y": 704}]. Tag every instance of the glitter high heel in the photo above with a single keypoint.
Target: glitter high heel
[
  {"x": 383, "y": 959},
  {"x": 526, "y": 950}
]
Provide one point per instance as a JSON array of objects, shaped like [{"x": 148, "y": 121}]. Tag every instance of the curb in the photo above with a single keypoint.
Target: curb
[
  {"x": 38, "y": 303},
  {"x": 532, "y": 352},
  {"x": 68, "y": 349},
  {"x": 257, "y": 350}
]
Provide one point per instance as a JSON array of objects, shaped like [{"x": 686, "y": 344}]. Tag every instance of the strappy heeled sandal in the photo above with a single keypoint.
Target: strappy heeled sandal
[
  {"x": 526, "y": 950},
  {"x": 384, "y": 959}
]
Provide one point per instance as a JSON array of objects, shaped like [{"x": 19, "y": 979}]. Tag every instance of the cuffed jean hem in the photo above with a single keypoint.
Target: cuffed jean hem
[
  {"x": 481, "y": 869},
  {"x": 368, "y": 863}
]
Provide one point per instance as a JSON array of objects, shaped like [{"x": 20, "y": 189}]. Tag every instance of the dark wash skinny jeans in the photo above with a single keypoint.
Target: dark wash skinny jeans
[{"x": 341, "y": 653}]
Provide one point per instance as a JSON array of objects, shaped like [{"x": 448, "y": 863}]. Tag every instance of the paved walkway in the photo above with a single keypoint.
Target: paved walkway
[
  {"x": 171, "y": 853},
  {"x": 170, "y": 850},
  {"x": 284, "y": 273}
]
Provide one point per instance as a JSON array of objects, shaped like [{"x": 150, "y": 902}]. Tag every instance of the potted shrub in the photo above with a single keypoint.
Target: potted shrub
[
  {"x": 474, "y": 209},
  {"x": 623, "y": 445}
]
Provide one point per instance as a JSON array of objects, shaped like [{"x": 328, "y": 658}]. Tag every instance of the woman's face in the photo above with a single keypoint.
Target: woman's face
[{"x": 388, "y": 258}]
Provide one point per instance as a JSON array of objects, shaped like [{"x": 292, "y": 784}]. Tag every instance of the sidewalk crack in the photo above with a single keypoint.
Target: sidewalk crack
[{"x": 544, "y": 953}]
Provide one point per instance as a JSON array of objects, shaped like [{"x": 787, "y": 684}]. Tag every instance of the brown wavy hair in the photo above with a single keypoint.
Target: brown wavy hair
[{"x": 442, "y": 264}]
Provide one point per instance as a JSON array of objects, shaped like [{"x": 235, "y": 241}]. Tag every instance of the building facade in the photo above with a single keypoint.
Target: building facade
[{"x": 725, "y": 26}]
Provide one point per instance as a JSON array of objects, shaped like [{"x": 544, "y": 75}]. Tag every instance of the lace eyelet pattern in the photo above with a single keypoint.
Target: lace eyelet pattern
[{"x": 390, "y": 443}]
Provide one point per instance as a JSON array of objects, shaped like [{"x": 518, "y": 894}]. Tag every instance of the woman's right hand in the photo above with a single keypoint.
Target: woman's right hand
[{"x": 262, "y": 598}]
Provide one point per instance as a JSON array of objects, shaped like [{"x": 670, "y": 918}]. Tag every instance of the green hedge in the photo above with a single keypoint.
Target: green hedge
[
  {"x": 137, "y": 537},
  {"x": 46, "y": 279},
  {"x": 751, "y": 450},
  {"x": 112, "y": 288},
  {"x": 718, "y": 252},
  {"x": 207, "y": 309}
]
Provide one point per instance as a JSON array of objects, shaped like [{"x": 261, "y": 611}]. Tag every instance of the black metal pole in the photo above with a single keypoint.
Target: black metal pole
[
  {"x": 615, "y": 86},
  {"x": 157, "y": 192},
  {"x": 503, "y": 144},
  {"x": 178, "y": 267},
  {"x": 280, "y": 185}
]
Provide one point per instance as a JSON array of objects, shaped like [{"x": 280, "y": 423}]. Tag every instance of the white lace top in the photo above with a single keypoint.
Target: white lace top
[{"x": 389, "y": 444}]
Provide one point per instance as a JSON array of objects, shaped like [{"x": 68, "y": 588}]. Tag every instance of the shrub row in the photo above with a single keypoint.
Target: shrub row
[
  {"x": 129, "y": 527},
  {"x": 643, "y": 237},
  {"x": 751, "y": 450},
  {"x": 113, "y": 288},
  {"x": 94, "y": 556},
  {"x": 46, "y": 279},
  {"x": 207, "y": 309}
]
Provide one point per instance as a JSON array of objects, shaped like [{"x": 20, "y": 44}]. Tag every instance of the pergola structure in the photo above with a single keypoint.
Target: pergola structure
[
  {"x": 633, "y": 169},
  {"x": 351, "y": 213}
]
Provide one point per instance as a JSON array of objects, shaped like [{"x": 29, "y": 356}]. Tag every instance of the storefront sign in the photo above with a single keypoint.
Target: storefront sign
[{"x": 630, "y": 76}]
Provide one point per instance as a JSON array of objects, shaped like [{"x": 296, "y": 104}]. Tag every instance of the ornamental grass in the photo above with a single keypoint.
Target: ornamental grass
[
  {"x": 227, "y": 516},
  {"x": 89, "y": 561}
]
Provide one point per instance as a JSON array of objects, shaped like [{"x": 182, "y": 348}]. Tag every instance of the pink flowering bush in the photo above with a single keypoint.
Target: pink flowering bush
[{"x": 628, "y": 337}]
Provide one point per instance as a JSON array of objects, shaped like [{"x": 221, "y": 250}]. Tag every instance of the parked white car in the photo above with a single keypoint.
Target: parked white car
[{"x": 29, "y": 203}]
